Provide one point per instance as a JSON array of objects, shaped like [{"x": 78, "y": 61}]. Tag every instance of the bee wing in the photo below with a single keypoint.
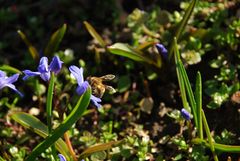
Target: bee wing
[
  {"x": 108, "y": 77},
  {"x": 110, "y": 89}
]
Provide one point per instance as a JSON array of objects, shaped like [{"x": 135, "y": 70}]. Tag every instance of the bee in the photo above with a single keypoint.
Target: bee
[{"x": 98, "y": 88}]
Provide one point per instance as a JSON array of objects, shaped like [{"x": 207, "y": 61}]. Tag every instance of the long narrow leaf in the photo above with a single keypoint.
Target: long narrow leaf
[
  {"x": 49, "y": 102},
  {"x": 34, "y": 124},
  {"x": 189, "y": 92},
  {"x": 63, "y": 127},
  {"x": 186, "y": 81},
  {"x": 180, "y": 80},
  {"x": 9, "y": 69},
  {"x": 94, "y": 34},
  {"x": 146, "y": 45},
  {"x": 131, "y": 53},
  {"x": 198, "y": 97},
  {"x": 49, "y": 108},
  {"x": 32, "y": 50},
  {"x": 183, "y": 24},
  {"x": 210, "y": 139},
  {"x": 55, "y": 40},
  {"x": 219, "y": 147}
]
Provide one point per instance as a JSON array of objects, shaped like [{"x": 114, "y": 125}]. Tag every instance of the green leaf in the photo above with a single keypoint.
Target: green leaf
[
  {"x": 98, "y": 148},
  {"x": 184, "y": 80},
  {"x": 32, "y": 50},
  {"x": 198, "y": 96},
  {"x": 1, "y": 159},
  {"x": 9, "y": 69},
  {"x": 145, "y": 45},
  {"x": 55, "y": 40},
  {"x": 94, "y": 34},
  {"x": 180, "y": 78},
  {"x": 219, "y": 147},
  {"x": 125, "y": 50},
  {"x": 34, "y": 124},
  {"x": 76, "y": 113},
  {"x": 49, "y": 102},
  {"x": 208, "y": 133},
  {"x": 183, "y": 24}
]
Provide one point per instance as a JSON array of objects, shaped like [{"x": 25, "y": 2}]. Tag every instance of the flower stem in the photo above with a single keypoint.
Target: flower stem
[
  {"x": 49, "y": 103},
  {"x": 49, "y": 109},
  {"x": 69, "y": 145}
]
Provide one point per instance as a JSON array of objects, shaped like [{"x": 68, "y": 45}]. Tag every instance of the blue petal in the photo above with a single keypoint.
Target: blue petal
[
  {"x": 162, "y": 50},
  {"x": 77, "y": 73},
  {"x": 185, "y": 114},
  {"x": 12, "y": 78},
  {"x": 45, "y": 76},
  {"x": 43, "y": 65},
  {"x": 29, "y": 73},
  {"x": 61, "y": 157},
  {"x": 14, "y": 88},
  {"x": 2, "y": 74},
  {"x": 2, "y": 82},
  {"x": 82, "y": 88},
  {"x": 95, "y": 100},
  {"x": 55, "y": 65}
]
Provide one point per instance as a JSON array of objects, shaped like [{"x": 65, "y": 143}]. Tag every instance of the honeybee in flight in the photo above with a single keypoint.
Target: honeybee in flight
[{"x": 98, "y": 88}]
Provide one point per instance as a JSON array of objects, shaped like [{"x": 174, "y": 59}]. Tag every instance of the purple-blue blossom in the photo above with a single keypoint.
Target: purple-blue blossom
[
  {"x": 96, "y": 101},
  {"x": 8, "y": 82},
  {"x": 83, "y": 85},
  {"x": 162, "y": 50},
  {"x": 185, "y": 114},
  {"x": 61, "y": 157},
  {"x": 78, "y": 74},
  {"x": 44, "y": 70}
]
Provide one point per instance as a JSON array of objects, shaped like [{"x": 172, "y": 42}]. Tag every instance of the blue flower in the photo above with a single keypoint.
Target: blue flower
[
  {"x": 8, "y": 82},
  {"x": 61, "y": 157},
  {"x": 96, "y": 101},
  {"x": 78, "y": 74},
  {"x": 162, "y": 50},
  {"x": 44, "y": 70},
  {"x": 185, "y": 114},
  {"x": 83, "y": 85}
]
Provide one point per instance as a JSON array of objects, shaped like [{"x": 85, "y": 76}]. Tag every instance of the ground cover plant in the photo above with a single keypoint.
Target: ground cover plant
[{"x": 150, "y": 81}]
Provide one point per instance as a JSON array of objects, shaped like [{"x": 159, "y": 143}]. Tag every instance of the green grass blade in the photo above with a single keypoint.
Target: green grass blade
[
  {"x": 32, "y": 50},
  {"x": 198, "y": 97},
  {"x": 185, "y": 80},
  {"x": 49, "y": 102},
  {"x": 146, "y": 45},
  {"x": 210, "y": 139},
  {"x": 55, "y": 40},
  {"x": 127, "y": 51},
  {"x": 183, "y": 24},
  {"x": 180, "y": 81},
  {"x": 189, "y": 92},
  {"x": 218, "y": 147},
  {"x": 49, "y": 109},
  {"x": 94, "y": 34},
  {"x": 35, "y": 125},
  {"x": 76, "y": 113},
  {"x": 10, "y": 69},
  {"x": 1, "y": 159}
]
